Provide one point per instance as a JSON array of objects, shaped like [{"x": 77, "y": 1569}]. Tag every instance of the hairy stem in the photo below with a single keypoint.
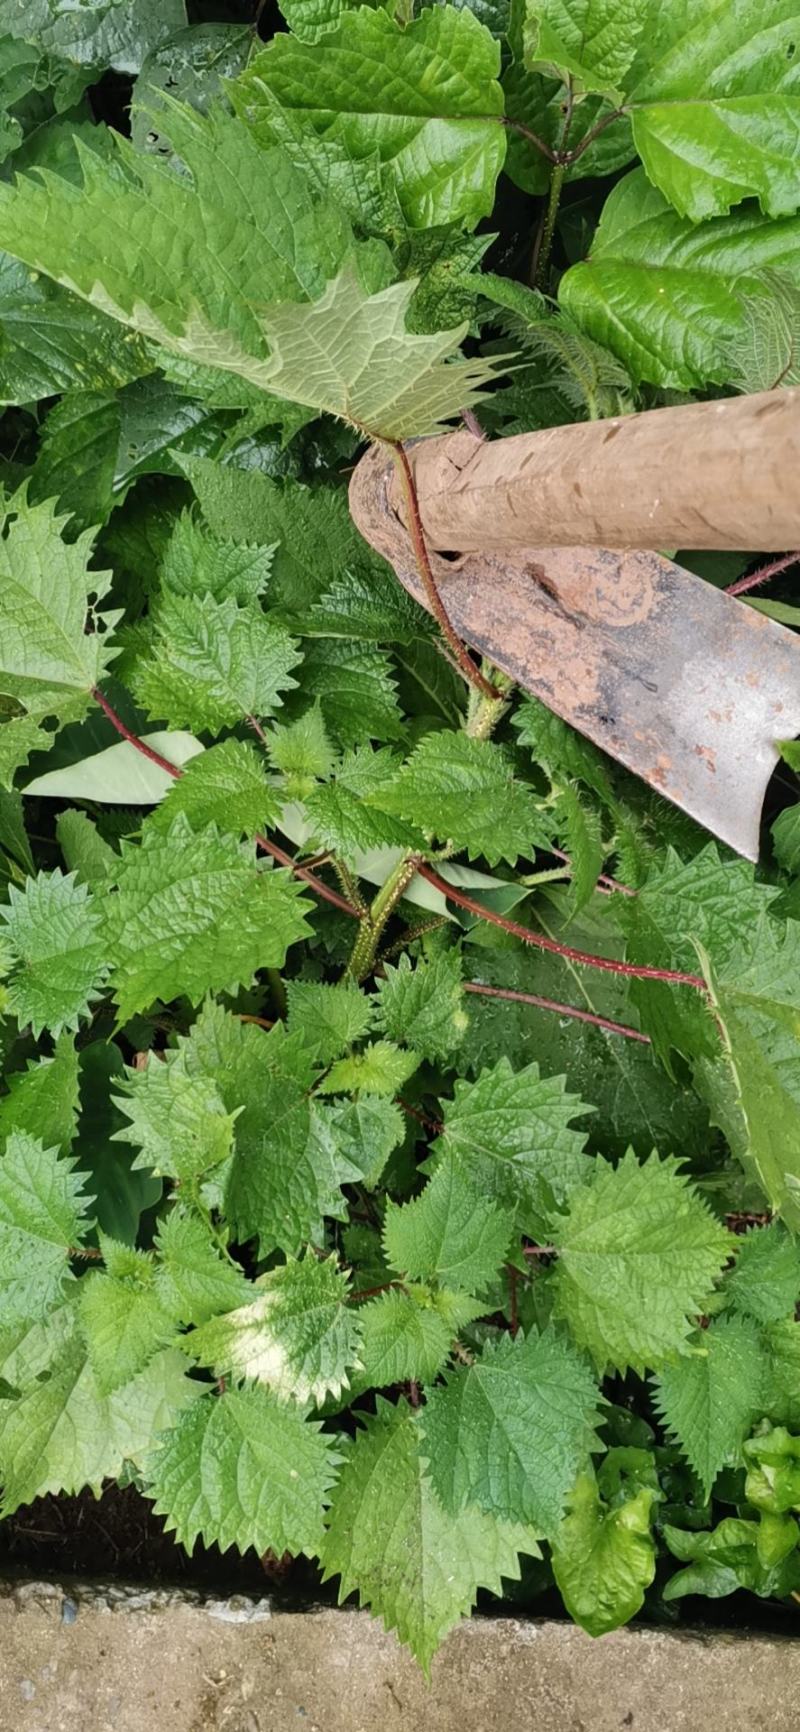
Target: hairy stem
[
  {"x": 609, "y": 964},
  {"x": 466, "y": 665},
  {"x": 553, "y": 1004},
  {"x": 743, "y": 584},
  {"x": 545, "y": 247},
  {"x": 365, "y": 948}
]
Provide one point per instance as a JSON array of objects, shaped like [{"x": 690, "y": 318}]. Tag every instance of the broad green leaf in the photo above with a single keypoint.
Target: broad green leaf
[
  {"x": 310, "y": 19},
  {"x": 302, "y": 752},
  {"x": 241, "y": 1469},
  {"x": 77, "y": 461},
  {"x": 710, "y": 1398},
  {"x": 773, "y": 1473},
  {"x": 417, "y": 1568},
  {"x": 98, "y": 33},
  {"x": 765, "y": 1282},
  {"x": 511, "y": 1431},
  {"x": 448, "y": 1234},
  {"x": 725, "y": 1559},
  {"x": 425, "y": 97},
  {"x": 669, "y": 295},
  {"x": 379, "y": 1069},
  {"x": 715, "y": 106},
  {"x": 753, "y": 1089},
  {"x": 43, "y": 1099},
  {"x": 191, "y": 66},
  {"x": 192, "y": 913},
  {"x": 53, "y": 341},
  {"x": 61, "y": 1434},
  {"x": 84, "y": 850},
  {"x": 604, "y": 1558},
  {"x": 339, "y": 812},
  {"x": 178, "y": 1121},
  {"x": 370, "y": 605},
  {"x": 52, "y": 932},
  {"x": 591, "y": 41},
  {"x": 119, "y": 775},
  {"x": 123, "y": 1317},
  {"x": 464, "y": 792},
  {"x": 193, "y": 1279},
  {"x": 330, "y": 1018},
  {"x": 356, "y": 688},
  {"x": 638, "y": 1256},
  {"x": 786, "y": 839},
  {"x": 225, "y": 786},
  {"x": 765, "y": 351},
  {"x": 367, "y": 1130},
  {"x": 121, "y": 1193},
  {"x": 49, "y": 662},
  {"x": 214, "y": 664},
  {"x": 423, "y": 1004},
  {"x": 351, "y": 354},
  {"x": 510, "y": 1134},
  {"x": 42, "y": 1216},
  {"x": 183, "y": 259},
  {"x": 296, "y": 1335}
]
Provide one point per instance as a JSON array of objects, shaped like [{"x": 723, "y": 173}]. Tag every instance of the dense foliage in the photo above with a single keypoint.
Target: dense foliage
[{"x": 401, "y": 1107}]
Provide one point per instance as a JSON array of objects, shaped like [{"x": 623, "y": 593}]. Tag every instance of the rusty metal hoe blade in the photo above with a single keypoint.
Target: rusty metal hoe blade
[{"x": 684, "y": 685}]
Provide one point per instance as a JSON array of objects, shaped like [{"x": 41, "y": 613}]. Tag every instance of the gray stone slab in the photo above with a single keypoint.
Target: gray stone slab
[{"x": 123, "y": 1660}]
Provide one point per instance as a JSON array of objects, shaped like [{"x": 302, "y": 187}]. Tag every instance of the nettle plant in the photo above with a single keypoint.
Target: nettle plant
[{"x": 385, "y": 1072}]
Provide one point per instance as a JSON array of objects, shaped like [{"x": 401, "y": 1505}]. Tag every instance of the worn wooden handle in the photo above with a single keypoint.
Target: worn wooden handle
[{"x": 720, "y": 474}]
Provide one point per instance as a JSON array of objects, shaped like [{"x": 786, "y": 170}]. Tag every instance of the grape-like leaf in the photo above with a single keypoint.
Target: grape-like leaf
[
  {"x": 639, "y": 1253},
  {"x": 241, "y": 1469},
  {"x": 591, "y": 41}
]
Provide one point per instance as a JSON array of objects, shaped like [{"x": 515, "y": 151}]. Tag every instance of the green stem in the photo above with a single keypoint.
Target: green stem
[
  {"x": 548, "y": 232},
  {"x": 371, "y": 928}
]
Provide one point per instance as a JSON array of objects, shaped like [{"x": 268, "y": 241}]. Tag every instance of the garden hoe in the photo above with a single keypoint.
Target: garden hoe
[{"x": 542, "y": 549}]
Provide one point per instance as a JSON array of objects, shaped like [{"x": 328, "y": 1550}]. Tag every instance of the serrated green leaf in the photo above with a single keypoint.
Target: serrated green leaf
[
  {"x": 52, "y": 930},
  {"x": 423, "y": 1004},
  {"x": 100, "y": 33},
  {"x": 193, "y": 914},
  {"x": 367, "y": 1130},
  {"x": 604, "y": 1558},
  {"x": 638, "y": 1256},
  {"x": 765, "y": 351},
  {"x": 710, "y": 1398},
  {"x": 243, "y": 1470},
  {"x": 214, "y": 664},
  {"x": 42, "y": 1100},
  {"x": 417, "y": 1568},
  {"x": 330, "y": 1018},
  {"x": 193, "y": 1280},
  {"x": 511, "y": 1431},
  {"x": 352, "y": 355},
  {"x": 464, "y": 792},
  {"x": 61, "y": 1434},
  {"x": 591, "y": 41},
  {"x": 196, "y": 562},
  {"x": 339, "y": 811},
  {"x": 84, "y": 850},
  {"x": 42, "y": 1215},
  {"x": 49, "y": 662},
  {"x": 77, "y": 461},
  {"x": 765, "y": 1283},
  {"x": 296, "y": 1335},
  {"x": 177, "y": 1121},
  {"x": 355, "y": 686},
  {"x": 379, "y": 1069},
  {"x": 302, "y": 752},
  {"x": 424, "y": 96},
  {"x": 404, "y": 1336},
  {"x": 53, "y": 341},
  {"x": 510, "y": 1134},
  {"x": 225, "y": 786},
  {"x": 448, "y": 1234},
  {"x": 663, "y": 292},
  {"x": 123, "y": 1317}
]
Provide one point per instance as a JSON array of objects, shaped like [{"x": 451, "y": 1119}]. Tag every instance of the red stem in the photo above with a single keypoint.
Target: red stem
[
  {"x": 561, "y": 1009},
  {"x": 471, "y": 674},
  {"x": 608, "y": 963},
  {"x": 603, "y": 881},
  {"x": 262, "y": 842},
  {"x": 743, "y": 584}
]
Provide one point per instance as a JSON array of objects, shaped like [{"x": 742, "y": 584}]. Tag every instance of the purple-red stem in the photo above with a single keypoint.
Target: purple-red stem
[
  {"x": 743, "y": 584},
  {"x": 263, "y": 842},
  {"x": 604, "y": 882},
  {"x": 572, "y": 1010},
  {"x": 608, "y": 964}
]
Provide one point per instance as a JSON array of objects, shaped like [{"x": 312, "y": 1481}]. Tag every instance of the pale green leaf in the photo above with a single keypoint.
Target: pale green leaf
[
  {"x": 194, "y": 1281},
  {"x": 591, "y": 41},
  {"x": 710, "y": 1398},
  {"x": 191, "y": 914},
  {"x": 404, "y": 1335},
  {"x": 119, "y": 775},
  {"x": 424, "y": 96},
  {"x": 379, "y": 1069},
  {"x": 197, "y": 562},
  {"x": 511, "y": 1431},
  {"x": 213, "y": 663},
  {"x": 42, "y": 1215},
  {"x": 423, "y": 1004},
  {"x": 52, "y": 931},
  {"x": 43, "y": 1099},
  {"x": 123, "y": 1317},
  {"x": 604, "y": 1558},
  {"x": 302, "y": 752},
  {"x": 296, "y": 1335},
  {"x": 241, "y": 1469},
  {"x": 417, "y": 1568},
  {"x": 48, "y": 659},
  {"x": 638, "y": 1256},
  {"x": 765, "y": 1282},
  {"x": 330, "y": 1018},
  {"x": 225, "y": 786},
  {"x": 450, "y": 1233},
  {"x": 178, "y": 1121}
]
